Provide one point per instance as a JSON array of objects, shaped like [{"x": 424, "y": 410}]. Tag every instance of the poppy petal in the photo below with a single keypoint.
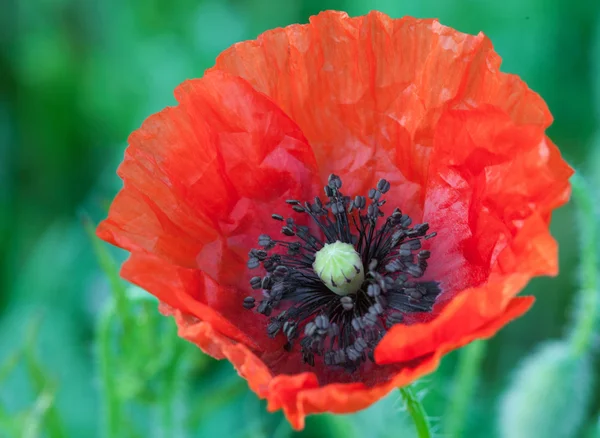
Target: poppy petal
[
  {"x": 368, "y": 91},
  {"x": 492, "y": 189},
  {"x": 201, "y": 179},
  {"x": 408, "y": 100},
  {"x": 201, "y": 298},
  {"x": 300, "y": 394},
  {"x": 490, "y": 192}
]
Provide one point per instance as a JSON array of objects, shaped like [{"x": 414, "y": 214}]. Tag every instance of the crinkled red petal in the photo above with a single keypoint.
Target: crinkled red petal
[
  {"x": 300, "y": 395},
  {"x": 200, "y": 182},
  {"x": 409, "y": 100}
]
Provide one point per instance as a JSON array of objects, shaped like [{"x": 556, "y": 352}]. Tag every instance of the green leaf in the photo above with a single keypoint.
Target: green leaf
[
  {"x": 45, "y": 411},
  {"x": 35, "y": 419},
  {"x": 9, "y": 365}
]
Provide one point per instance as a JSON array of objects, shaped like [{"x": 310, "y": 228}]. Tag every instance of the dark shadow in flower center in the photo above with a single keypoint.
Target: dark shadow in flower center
[{"x": 342, "y": 330}]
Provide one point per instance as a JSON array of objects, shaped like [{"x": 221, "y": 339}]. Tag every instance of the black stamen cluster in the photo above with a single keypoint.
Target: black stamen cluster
[{"x": 342, "y": 330}]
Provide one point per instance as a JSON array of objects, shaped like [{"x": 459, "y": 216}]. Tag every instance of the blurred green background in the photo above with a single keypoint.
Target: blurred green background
[{"x": 77, "y": 77}]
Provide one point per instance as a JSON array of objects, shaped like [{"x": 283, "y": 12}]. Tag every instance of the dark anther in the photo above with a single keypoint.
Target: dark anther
[
  {"x": 383, "y": 186},
  {"x": 266, "y": 242},
  {"x": 271, "y": 263},
  {"x": 405, "y": 221},
  {"x": 267, "y": 282},
  {"x": 317, "y": 323},
  {"x": 298, "y": 209},
  {"x": 253, "y": 263},
  {"x": 357, "y": 324},
  {"x": 411, "y": 244},
  {"x": 352, "y": 353},
  {"x": 260, "y": 254},
  {"x": 347, "y": 302},
  {"x": 413, "y": 293},
  {"x": 273, "y": 327},
  {"x": 360, "y": 202},
  {"x": 256, "y": 282},
  {"x": 280, "y": 272},
  {"x": 396, "y": 265},
  {"x": 322, "y": 322},
  {"x": 405, "y": 253},
  {"x": 294, "y": 248},
  {"x": 264, "y": 307},
  {"x": 249, "y": 302},
  {"x": 373, "y": 264},
  {"x": 290, "y": 329},
  {"x": 414, "y": 270},
  {"x": 309, "y": 358},
  {"x": 373, "y": 290},
  {"x": 360, "y": 345},
  {"x": 393, "y": 319},
  {"x": 424, "y": 254},
  {"x": 370, "y": 319},
  {"x": 334, "y": 181},
  {"x": 287, "y": 231},
  {"x": 335, "y": 208},
  {"x": 310, "y": 329}
]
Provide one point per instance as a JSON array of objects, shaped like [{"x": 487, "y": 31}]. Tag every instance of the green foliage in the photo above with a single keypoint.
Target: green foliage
[
  {"x": 465, "y": 382},
  {"x": 78, "y": 76},
  {"x": 549, "y": 396},
  {"x": 42, "y": 416},
  {"x": 561, "y": 373}
]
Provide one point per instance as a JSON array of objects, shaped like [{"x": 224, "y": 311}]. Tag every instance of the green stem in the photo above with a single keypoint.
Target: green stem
[
  {"x": 168, "y": 398},
  {"x": 465, "y": 383},
  {"x": 416, "y": 411},
  {"x": 109, "y": 267},
  {"x": 589, "y": 298},
  {"x": 112, "y": 408}
]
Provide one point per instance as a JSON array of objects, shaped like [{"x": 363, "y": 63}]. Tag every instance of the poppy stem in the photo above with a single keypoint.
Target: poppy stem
[
  {"x": 112, "y": 420},
  {"x": 417, "y": 412},
  {"x": 464, "y": 385},
  {"x": 589, "y": 295}
]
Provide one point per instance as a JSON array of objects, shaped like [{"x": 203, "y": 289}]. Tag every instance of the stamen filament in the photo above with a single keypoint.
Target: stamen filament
[{"x": 334, "y": 296}]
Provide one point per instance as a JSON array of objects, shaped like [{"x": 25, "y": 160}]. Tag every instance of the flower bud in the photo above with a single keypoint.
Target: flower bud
[{"x": 549, "y": 394}]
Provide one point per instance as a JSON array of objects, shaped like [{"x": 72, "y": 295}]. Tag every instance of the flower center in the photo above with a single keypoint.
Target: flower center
[
  {"x": 316, "y": 292},
  {"x": 339, "y": 266}
]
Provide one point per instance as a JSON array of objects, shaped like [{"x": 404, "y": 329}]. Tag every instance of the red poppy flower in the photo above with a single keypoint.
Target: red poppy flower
[{"x": 407, "y": 111}]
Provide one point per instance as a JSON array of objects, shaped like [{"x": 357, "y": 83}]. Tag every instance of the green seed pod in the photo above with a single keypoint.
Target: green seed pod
[
  {"x": 339, "y": 266},
  {"x": 549, "y": 395}
]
